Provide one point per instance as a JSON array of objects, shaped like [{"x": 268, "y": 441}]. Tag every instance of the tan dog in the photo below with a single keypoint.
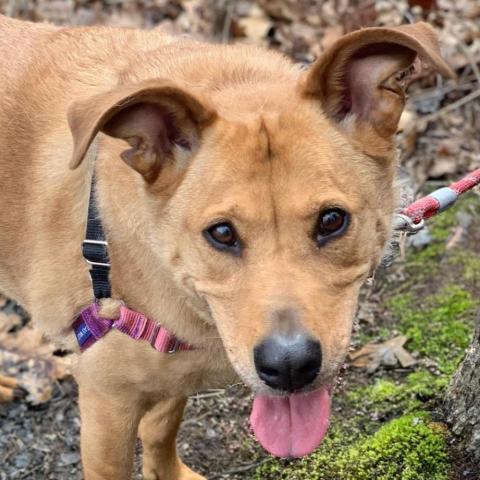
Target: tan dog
[{"x": 254, "y": 200}]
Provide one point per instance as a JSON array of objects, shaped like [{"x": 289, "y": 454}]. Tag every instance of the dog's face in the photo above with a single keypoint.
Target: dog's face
[
  {"x": 272, "y": 202},
  {"x": 274, "y": 226}
]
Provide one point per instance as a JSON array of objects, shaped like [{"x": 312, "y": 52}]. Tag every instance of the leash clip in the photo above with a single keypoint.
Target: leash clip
[{"x": 405, "y": 224}]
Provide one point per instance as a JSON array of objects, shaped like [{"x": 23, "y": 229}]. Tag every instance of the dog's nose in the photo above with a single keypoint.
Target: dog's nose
[{"x": 288, "y": 363}]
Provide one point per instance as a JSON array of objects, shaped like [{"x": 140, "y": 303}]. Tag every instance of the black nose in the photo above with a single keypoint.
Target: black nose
[{"x": 288, "y": 363}]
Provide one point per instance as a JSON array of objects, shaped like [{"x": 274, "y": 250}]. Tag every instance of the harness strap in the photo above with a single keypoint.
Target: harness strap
[
  {"x": 95, "y": 249},
  {"x": 89, "y": 326}
]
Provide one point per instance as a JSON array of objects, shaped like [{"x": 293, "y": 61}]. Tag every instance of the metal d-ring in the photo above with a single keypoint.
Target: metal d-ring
[{"x": 406, "y": 224}]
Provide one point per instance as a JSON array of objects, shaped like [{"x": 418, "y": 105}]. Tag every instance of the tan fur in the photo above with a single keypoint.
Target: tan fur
[{"x": 267, "y": 150}]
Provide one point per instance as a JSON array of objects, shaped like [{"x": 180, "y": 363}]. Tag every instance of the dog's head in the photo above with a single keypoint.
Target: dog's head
[{"x": 274, "y": 199}]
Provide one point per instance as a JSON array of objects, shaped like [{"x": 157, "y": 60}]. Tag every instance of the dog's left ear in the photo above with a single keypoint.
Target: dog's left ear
[
  {"x": 155, "y": 117},
  {"x": 361, "y": 80}
]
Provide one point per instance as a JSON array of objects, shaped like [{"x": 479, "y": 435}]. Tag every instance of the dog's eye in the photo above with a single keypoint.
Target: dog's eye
[
  {"x": 223, "y": 236},
  {"x": 331, "y": 223}
]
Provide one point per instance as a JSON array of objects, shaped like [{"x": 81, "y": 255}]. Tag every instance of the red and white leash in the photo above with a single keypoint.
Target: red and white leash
[{"x": 412, "y": 218}]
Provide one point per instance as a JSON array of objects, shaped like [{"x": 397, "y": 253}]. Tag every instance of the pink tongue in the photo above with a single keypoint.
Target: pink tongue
[{"x": 291, "y": 426}]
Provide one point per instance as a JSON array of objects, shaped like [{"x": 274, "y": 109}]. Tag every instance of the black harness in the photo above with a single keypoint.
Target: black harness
[{"x": 95, "y": 249}]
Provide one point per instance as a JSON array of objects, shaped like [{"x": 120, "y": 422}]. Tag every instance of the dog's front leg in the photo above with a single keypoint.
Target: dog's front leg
[
  {"x": 108, "y": 434},
  {"x": 158, "y": 432}
]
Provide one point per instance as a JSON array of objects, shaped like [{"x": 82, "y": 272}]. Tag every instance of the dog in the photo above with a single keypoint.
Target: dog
[{"x": 244, "y": 201}]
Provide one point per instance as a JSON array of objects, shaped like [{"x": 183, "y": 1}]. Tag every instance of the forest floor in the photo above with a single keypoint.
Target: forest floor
[{"x": 414, "y": 322}]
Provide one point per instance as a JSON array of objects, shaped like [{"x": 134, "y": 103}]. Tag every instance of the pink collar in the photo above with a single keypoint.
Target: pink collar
[{"x": 90, "y": 327}]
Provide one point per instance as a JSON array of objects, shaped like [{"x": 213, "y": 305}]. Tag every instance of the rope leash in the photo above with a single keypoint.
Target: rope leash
[{"x": 412, "y": 218}]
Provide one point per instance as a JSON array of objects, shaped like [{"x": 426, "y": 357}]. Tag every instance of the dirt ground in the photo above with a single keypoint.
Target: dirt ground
[{"x": 39, "y": 435}]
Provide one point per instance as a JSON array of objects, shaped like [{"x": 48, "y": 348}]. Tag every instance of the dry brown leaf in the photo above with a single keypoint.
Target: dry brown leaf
[
  {"x": 36, "y": 375},
  {"x": 408, "y": 126},
  {"x": 9, "y": 322},
  {"x": 447, "y": 158},
  {"x": 256, "y": 25},
  {"x": 27, "y": 356},
  {"x": 388, "y": 353}
]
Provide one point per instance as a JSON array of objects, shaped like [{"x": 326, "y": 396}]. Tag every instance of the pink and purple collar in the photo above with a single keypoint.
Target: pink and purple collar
[{"x": 90, "y": 327}]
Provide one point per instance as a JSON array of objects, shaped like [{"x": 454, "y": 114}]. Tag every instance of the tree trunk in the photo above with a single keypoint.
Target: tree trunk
[{"x": 462, "y": 404}]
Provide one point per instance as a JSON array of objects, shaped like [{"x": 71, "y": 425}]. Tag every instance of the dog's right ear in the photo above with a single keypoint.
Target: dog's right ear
[
  {"x": 154, "y": 117},
  {"x": 361, "y": 80}
]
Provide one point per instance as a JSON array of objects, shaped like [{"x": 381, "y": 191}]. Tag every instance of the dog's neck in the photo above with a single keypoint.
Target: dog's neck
[{"x": 138, "y": 275}]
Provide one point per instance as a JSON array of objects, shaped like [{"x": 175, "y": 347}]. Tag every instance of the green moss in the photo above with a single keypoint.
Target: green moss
[
  {"x": 469, "y": 263},
  {"x": 386, "y": 398},
  {"x": 440, "y": 326},
  {"x": 424, "y": 385},
  {"x": 407, "y": 448}
]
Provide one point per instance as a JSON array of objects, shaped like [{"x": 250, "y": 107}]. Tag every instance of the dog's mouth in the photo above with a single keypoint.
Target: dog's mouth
[{"x": 293, "y": 425}]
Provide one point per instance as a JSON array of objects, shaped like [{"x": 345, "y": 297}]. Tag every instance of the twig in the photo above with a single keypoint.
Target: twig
[
  {"x": 214, "y": 393},
  {"x": 471, "y": 61},
  {"x": 452, "y": 106},
  {"x": 190, "y": 421},
  {"x": 28, "y": 472},
  {"x": 227, "y": 23},
  {"x": 440, "y": 92},
  {"x": 242, "y": 469}
]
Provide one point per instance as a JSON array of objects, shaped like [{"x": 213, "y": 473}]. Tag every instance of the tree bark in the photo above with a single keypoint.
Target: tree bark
[{"x": 462, "y": 403}]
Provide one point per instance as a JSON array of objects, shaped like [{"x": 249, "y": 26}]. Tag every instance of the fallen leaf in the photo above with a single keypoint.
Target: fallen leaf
[
  {"x": 28, "y": 357},
  {"x": 9, "y": 322},
  {"x": 408, "y": 126},
  {"x": 388, "y": 353},
  {"x": 256, "y": 25},
  {"x": 36, "y": 375},
  {"x": 366, "y": 313}
]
